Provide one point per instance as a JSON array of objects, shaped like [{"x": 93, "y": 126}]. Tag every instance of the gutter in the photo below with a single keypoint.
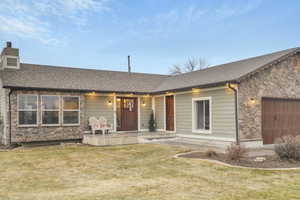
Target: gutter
[
  {"x": 9, "y": 107},
  {"x": 236, "y": 113},
  {"x": 73, "y": 90},
  {"x": 122, "y": 92}
]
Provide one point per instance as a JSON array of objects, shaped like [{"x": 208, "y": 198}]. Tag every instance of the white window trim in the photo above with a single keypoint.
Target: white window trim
[
  {"x": 194, "y": 124},
  {"x": 29, "y": 110},
  {"x": 57, "y": 110},
  {"x": 11, "y": 67},
  {"x": 78, "y": 110}
]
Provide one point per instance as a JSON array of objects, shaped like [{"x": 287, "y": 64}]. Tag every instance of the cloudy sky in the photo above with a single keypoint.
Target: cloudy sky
[{"x": 156, "y": 33}]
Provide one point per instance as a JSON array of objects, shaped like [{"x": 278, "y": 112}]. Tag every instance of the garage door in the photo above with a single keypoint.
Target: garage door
[{"x": 280, "y": 117}]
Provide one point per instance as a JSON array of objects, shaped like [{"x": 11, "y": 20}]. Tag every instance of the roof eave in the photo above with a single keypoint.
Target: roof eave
[
  {"x": 203, "y": 86},
  {"x": 73, "y": 90},
  {"x": 269, "y": 64},
  {"x": 121, "y": 92}
]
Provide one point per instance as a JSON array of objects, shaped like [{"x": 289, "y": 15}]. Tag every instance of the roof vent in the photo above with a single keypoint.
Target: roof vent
[{"x": 129, "y": 64}]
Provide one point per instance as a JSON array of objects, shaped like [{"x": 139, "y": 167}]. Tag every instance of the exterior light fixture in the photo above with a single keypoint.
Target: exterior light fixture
[
  {"x": 143, "y": 103},
  {"x": 169, "y": 93},
  {"x": 91, "y": 94},
  {"x": 252, "y": 100},
  {"x": 196, "y": 90},
  {"x": 109, "y": 102}
]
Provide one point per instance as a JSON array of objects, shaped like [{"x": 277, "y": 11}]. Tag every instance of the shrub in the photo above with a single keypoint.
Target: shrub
[
  {"x": 211, "y": 153},
  {"x": 235, "y": 152},
  {"x": 288, "y": 148},
  {"x": 152, "y": 123}
]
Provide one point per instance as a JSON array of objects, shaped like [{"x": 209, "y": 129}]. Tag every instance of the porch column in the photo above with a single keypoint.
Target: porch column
[
  {"x": 139, "y": 113},
  {"x": 115, "y": 113}
]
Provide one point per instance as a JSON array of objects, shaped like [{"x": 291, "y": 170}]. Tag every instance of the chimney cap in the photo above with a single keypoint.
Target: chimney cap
[{"x": 8, "y": 44}]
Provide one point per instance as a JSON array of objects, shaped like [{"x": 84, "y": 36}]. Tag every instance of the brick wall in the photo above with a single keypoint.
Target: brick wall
[{"x": 44, "y": 133}]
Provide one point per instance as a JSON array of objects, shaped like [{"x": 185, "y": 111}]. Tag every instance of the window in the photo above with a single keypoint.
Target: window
[
  {"x": 71, "y": 110},
  {"x": 202, "y": 115},
  {"x": 50, "y": 110},
  {"x": 27, "y": 110}
]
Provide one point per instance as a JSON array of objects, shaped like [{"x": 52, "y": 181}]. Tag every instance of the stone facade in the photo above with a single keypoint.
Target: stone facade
[
  {"x": 281, "y": 80},
  {"x": 4, "y": 113},
  {"x": 44, "y": 133}
]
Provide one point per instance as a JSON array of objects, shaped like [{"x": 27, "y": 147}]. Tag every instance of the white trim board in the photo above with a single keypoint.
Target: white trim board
[
  {"x": 115, "y": 113},
  {"x": 153, "y": 106},
  {"x": 139, "y": 113},
  {"x": 175, "y": 127},
  {"x": 165, "y": 118}
]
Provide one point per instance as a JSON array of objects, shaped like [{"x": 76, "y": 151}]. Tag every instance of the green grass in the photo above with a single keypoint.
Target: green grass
[{"x": 134, "y": 172}]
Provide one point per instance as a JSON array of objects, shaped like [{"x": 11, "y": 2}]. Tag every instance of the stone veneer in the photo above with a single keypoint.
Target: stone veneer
[
  {"x": 44, "y": 133},
  {"x": 281, "y": 80}
]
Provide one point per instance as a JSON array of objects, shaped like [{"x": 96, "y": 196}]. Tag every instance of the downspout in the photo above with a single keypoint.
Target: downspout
[
  {"x": 236, "y": 113},
  {"x": 9, "y": 107}
]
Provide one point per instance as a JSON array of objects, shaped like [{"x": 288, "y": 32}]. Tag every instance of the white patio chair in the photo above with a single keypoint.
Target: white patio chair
[
  {"x": 104, "y": 126},
  {"x": 94, "y": 123},
  {"x": 100, "y": 124}
]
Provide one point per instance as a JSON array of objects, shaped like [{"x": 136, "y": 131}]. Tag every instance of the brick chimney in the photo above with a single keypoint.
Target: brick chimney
[{"x": 10, "y": 58}]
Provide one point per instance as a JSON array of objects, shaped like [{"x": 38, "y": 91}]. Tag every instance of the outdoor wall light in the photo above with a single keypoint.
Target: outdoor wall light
[
  {"x": 109, "y": 102},
  {"x": 195, "y": 90},
  {"x": 143, "y": 103},
  {"x": 252, "y": 100},
  {"x": 92, "y": 94}
]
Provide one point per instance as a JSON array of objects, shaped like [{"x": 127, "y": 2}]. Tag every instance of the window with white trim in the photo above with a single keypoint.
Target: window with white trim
[
  {"x": 50, "y": 110},
  {"x": 202, "y": 115},
  {"x": 71, "y": 110},
  {"x": 27, "y": 110}
]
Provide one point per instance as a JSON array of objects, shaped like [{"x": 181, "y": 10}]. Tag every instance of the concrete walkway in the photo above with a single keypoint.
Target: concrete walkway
[
  {"x": 219, "y": 147},
  {"x": 198, "y": 145}
]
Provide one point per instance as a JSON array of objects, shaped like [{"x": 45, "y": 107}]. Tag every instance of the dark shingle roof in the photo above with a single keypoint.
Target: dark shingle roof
[
  {"x": 50, "y": 77},
  {"x": 42, "y": 76},
  {"x": 221, "y": 73}
]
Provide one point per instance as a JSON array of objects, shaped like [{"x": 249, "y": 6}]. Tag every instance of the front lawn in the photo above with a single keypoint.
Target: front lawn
[{"x": 133, "y": 172}]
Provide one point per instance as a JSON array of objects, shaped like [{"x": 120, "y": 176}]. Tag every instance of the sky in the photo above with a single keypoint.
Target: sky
[{"x": 99, "y": 34}]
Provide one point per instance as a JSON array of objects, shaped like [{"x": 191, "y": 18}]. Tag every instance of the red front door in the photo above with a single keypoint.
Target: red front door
[
  {"x": 127, "y": 114},
  {"x": 170, "y": 113}
]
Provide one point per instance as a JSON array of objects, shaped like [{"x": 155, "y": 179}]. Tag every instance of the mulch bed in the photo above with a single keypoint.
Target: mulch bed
[{"x": 270, "y": 162}]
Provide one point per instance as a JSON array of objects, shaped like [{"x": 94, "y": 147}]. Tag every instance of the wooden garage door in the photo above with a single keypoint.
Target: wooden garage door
[{"x": 280, "y": 117}]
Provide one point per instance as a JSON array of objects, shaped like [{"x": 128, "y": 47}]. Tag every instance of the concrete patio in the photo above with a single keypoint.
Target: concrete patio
[{"x": 168, "y": 138}]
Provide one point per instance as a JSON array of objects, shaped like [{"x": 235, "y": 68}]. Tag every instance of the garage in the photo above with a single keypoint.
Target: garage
[{"x": 280, "y": 117}]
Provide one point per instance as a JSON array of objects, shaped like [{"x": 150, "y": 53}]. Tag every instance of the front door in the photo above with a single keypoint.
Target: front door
[
  {"x": 170, "y": 113},
  {"x": 127, "y": 114}
]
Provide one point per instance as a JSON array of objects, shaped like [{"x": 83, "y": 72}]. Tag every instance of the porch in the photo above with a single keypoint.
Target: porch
[{"x": 125, "y": 138}]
